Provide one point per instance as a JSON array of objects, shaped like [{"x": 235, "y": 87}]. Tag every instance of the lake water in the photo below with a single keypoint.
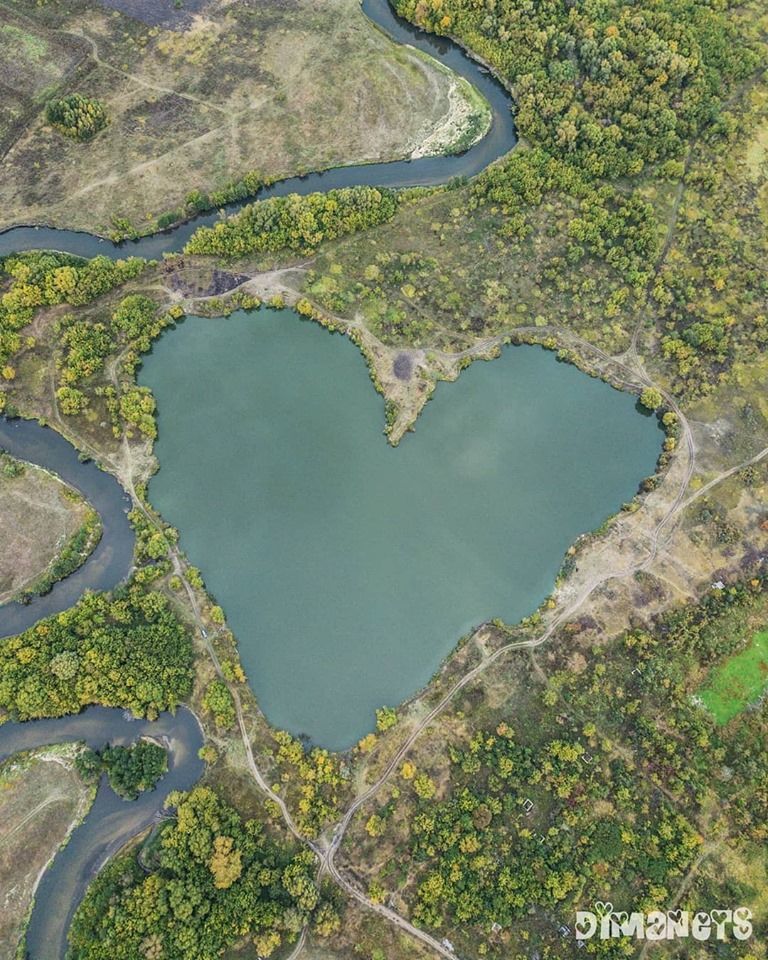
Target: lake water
[{"x": 347, "y": 569}]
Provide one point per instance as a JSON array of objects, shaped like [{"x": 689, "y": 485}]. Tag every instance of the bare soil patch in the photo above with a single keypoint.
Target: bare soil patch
[{"x": 159, "y": 13}]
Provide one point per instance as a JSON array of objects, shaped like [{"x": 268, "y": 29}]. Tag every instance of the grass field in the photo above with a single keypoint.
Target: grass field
[
  {"x": 198, "y": 100},
  {"x": 38, "y": 515},
  {"x": 739, "y": 681},
  {"x": 32, "y": 63},
  {"x": 41, "y": 799}
]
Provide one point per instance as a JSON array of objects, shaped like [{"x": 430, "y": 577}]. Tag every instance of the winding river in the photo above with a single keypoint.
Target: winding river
[
  {"x": 112, "y": 559},
  {"x": 424, "y": 171}
]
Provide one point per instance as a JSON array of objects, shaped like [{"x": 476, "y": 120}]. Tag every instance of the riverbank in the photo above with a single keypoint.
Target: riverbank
[
  {"x": 645, "y": 561},
  {"x": 111, "y": 822},
  {"x": 424, "y": 171},
  {"x": 112, "y": 558},
  {"x": 42, "y": 801},
  {"x": 195, "y": 104}
]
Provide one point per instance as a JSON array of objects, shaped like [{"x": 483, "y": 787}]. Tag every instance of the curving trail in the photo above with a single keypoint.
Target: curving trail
[{"x": 633, "y": 376}]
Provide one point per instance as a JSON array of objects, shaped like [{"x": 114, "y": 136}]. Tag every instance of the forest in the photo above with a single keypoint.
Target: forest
[
  {"x": 616, "y": 784},
  {"x": 130, "y": 770},
  {"x": 38, "y": 279},
  {"x": 609, "y": 87},
  {"x": 127, "y": 649},
  {"x": 85, "y": 346},
  {"x": 634, "y": 201},
  {"x": 294, "y": 222},
  {"x": 214, "y": 880},
  {"x": 77, "y": 116}
]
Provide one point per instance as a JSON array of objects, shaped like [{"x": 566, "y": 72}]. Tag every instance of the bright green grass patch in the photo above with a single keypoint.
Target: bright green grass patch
[{"x": 739, "y": 681}]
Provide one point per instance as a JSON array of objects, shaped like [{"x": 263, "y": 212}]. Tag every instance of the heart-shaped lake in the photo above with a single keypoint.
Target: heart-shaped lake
[{"x": 347, "y": 569}]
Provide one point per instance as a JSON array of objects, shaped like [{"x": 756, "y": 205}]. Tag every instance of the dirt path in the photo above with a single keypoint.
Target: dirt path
[
  {"x": 138, "y": 80},
  {"x": 630, "y": 374}
]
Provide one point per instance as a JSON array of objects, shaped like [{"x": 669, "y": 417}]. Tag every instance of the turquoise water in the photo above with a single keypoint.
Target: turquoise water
[{"x": 348, "y": 570}]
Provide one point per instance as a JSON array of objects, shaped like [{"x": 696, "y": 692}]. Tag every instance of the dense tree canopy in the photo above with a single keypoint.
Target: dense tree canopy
[
  {"x": 77, "y": 116},
  {"x": 216, "y": 880},
  {"x": 487, "y": 866},
  {"x": 608, "y": 85},
  {"x": 122, "y": 650},
  {"x": 131, "y": 770}
]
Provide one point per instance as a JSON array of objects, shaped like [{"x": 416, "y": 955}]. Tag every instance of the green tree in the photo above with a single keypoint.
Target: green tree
[
  {"x": 129, "y": 650},
  {"x": 651, "y": 398},
  {"x": 131, "y": 770},
  {"x": 218, "y": 701}
]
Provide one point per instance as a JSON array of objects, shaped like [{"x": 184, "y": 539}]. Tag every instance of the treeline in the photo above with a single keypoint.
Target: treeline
[
  {"x": 35, "y": 279},
  {"x": 196, "y": 201},
  {"x": 611, "y": 87},
  {"x": 199, "y": 201},
  {"x": 127, "y": 650},
  {"x": 71, "y": 556},
  {"x": 294, "y": 222},
  {"x": 216, "y": 880}
]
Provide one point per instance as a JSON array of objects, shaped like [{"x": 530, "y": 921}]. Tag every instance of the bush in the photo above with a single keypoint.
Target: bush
[
  {"x": 218, "y": 701},
  {"x": 386, "y": 718}
]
